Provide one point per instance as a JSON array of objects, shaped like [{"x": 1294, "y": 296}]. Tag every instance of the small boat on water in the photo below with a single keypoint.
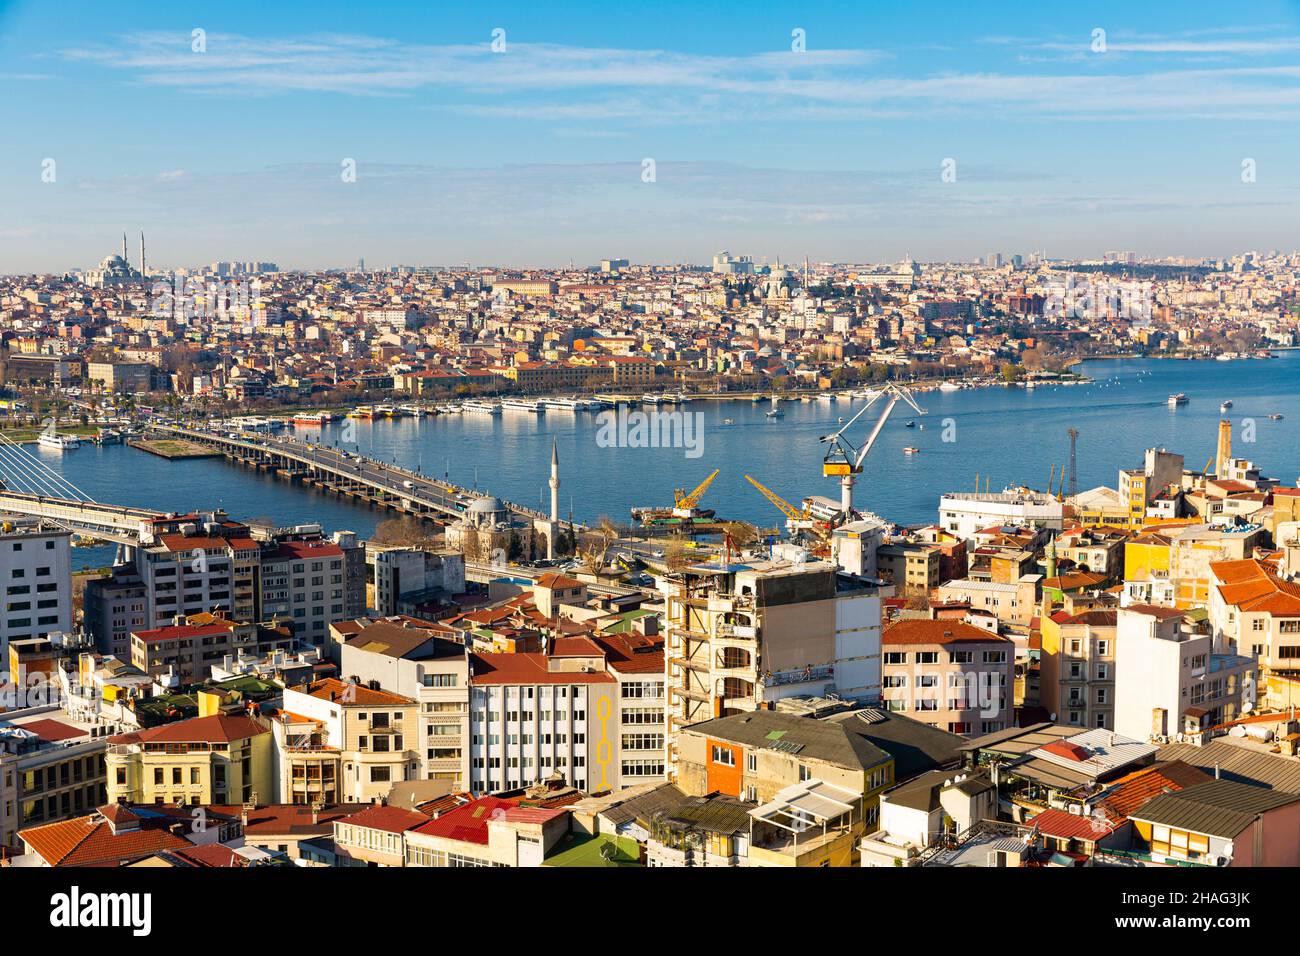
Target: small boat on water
[
  {"x": 910, "y": 450},
  {"x": 775, "y": 410},
  {"x": 59, "y": 442},
  {"x": 1178, "y": 398},
  {"x": 727, "y": 421},
  {"x": 1275, "y": 417},
  {"x": 950, "y": 387},
  {"x": 909, "y": 424},
  {"x": 1224, "y": 406}
]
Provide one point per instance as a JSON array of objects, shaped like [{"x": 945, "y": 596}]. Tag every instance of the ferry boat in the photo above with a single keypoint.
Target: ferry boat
[
  {"x": 827, "y": 397},
  {"x": 313, "y": 418},
  {"x": 481, "y": 407},
  {"x": 1224, "y": 406},
  {"x": 365, "y": 412},
  {"x": 1178, "y": 398},
  {"x": 59, "y": 442},
  {"x": 524, "y": 405},
  {"x": 572, "y": 404},
  {"x": 649, "y": 399},
  {"x": 387, "y": 411},
  {"x": 949, "y": 387}
]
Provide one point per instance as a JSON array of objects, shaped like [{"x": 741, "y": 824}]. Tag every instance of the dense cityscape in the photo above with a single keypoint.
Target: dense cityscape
[{"x": 882, "y": 478}]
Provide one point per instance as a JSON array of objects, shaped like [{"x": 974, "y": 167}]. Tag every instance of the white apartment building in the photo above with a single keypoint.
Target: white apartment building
[
  {"x": 967, "y": 514},
  {"x": 1169, "y": 681},
  {"x": 36, "y": 572},
  {"x": 534, "y": 716},
  {"x": 419, "y": 661}
]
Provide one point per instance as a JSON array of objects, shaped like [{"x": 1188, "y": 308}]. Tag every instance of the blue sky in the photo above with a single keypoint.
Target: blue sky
[{"x": 534, "y": 155}]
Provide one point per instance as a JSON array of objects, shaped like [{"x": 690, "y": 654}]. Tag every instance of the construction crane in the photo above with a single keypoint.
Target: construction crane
[
  {"x": 683, "y": 514},
  {"x": 684, "y": 501},
  {"x": 783, "y": 506},
  {"x": 797, "y": 519},
  {"x": 843, "y": 459},
  {"x": 1074, "y": 474}
]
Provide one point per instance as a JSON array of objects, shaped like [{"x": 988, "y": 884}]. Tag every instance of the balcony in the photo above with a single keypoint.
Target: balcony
[{"x": 807, "y": 675}]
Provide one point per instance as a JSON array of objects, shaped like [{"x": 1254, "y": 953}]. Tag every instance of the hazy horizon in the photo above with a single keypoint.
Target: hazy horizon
[{"x": 835, "y": 133}]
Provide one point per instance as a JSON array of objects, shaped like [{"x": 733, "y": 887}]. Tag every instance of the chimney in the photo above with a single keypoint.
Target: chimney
[{"x": 1216, "y": 771}]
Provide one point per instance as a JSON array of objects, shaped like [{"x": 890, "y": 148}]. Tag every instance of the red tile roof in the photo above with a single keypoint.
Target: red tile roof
[
  {"x": 51, "y": 731},
  {"x": 1063, "y": 748},
  {"x": 1071, "y": 826},
  {"x": 388, "y": 819},
  {"x": 924, "y": 631},
  {"x": 1131, "y": 791},
  {"x": 90, "y": 841},
  {"x": 526, "y": 669},
  {"x": 468, "y": 823},
  {"x": 218, "y": 728}
]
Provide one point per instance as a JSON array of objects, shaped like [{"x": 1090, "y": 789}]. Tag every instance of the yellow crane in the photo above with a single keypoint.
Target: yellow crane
[
  {"x": 684, "y": 501},
  {"x": 783, "y": 506},
  {"x": 797, "y": 519}
]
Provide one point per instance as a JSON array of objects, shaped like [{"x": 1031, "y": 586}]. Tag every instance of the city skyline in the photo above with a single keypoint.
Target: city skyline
[{"x": 233, "y": 143}]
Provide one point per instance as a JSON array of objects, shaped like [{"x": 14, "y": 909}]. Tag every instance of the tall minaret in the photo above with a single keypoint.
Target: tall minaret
[
  {"x": 555, "y": 501},
  {"x": 142, "y": 273},
  {"x": 124, "y": 258}
]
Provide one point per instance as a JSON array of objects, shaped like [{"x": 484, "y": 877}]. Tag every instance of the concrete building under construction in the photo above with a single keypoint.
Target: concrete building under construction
[{"x": 741, "y": 636}]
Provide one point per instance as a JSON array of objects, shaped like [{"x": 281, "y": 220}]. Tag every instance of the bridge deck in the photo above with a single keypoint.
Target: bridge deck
[{"x": 411, "y": 491}]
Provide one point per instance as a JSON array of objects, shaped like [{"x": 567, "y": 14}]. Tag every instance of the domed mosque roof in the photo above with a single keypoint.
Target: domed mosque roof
[{"x": 484, "y": 506}]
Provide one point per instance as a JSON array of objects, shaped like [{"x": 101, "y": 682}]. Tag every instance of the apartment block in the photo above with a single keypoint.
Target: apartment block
[
  {"x": 1076, "y": 675},
  {"x": 420, "y": 661},
  {"x": 337, "y": 741},
  {"x": 51, "y": 768},
  {"x": 36, "y": 573},
  {"x": 949, "y": 674},
  {"x": 740, "y": 637},
  {"x": 1168, "y": 679},
  {"x": 219, "y": 758}
]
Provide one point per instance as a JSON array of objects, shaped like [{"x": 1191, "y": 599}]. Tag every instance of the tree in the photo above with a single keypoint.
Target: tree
[{"x": 403, "y": 532}]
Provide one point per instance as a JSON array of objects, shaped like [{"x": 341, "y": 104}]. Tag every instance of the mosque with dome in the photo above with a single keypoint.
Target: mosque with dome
[{"x": 116, "y": 271}]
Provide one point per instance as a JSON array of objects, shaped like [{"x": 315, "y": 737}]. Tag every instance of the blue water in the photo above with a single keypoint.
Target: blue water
[{"x": 1010, "y": 436}]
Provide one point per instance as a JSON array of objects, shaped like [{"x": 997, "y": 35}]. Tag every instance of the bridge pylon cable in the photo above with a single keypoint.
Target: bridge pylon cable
[{"x": 24, "y": 472}]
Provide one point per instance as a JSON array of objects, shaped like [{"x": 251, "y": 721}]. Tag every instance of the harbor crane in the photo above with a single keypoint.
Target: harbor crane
[
  {"x": 843, "y": 459},
  {"x": 686, "y": 501},
  {"x": 797, "y": 519}
]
